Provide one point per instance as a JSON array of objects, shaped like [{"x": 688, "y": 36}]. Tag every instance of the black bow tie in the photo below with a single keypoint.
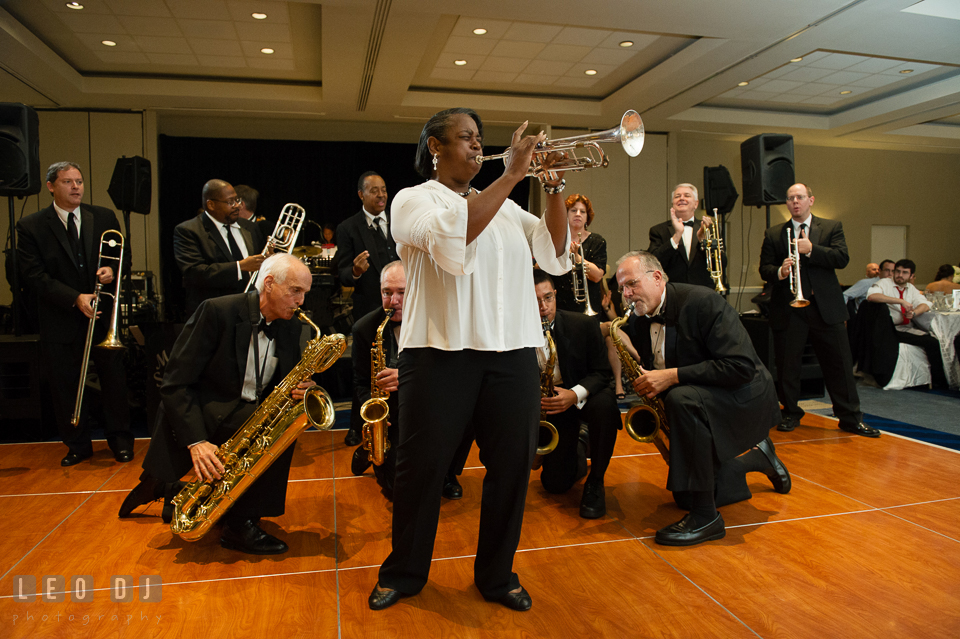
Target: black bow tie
[
  {"x": 689, "y": 222},
  {"x": 659, "y": 318},
  {"x": 267, "y": 329}
]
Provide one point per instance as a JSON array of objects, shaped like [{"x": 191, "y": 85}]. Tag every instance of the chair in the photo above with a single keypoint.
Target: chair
[{"x": 878, "y": 352}]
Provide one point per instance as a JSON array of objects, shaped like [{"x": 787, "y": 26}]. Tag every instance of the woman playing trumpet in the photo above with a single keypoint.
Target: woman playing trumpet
[{"x": 593, "y": 258}]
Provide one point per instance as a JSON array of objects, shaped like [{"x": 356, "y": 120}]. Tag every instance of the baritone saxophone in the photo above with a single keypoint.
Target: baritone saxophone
[{"x": 375, "y": 410}]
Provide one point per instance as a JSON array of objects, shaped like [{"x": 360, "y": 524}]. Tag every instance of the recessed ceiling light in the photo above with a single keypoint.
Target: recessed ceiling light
[
  {"x": 74, "y": 5},
  {"x": 460, "y": 63},
  {"x": 796, "y": 59},
  {"x": 906, "y": 71},
  {"x": 266, "y": 50},
  {"x": 626, "y": 43},
  {"x": 258, "y": 16},
  {"x": 742, "y": 84},
  {"x": 591, "y": 72},
  {"x": 480, "y": 31},
  {"x": 847, "y": 92},
  {"x": 109, "y": 43}
]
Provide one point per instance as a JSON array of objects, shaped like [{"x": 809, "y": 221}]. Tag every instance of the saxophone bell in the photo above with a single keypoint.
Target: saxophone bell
[{"x": 375, "y": 410}]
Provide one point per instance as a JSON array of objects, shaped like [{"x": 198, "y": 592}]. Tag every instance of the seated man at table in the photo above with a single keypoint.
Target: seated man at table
[
  {"x": 858, "y": 291},
  {"x": 906, "y": 304}
]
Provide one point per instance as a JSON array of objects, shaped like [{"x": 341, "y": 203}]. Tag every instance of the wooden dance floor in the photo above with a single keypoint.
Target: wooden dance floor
[{"x": 867, "y": 544}]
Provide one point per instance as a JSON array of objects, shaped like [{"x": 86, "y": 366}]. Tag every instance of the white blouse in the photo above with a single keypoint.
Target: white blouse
[{"x": 477, "y": 296}]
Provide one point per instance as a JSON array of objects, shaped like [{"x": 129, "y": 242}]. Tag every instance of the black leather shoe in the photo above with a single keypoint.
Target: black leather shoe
[
  {"x": 683, "y": 533},
  {"x": 452, "y": 488},
  {"x": 593, "y": 504},
  {"x": 860, "y": 429},
  {"x": 382, "y": 598},
  {"x": 353, "y": 438},
  {"x": 788, "y": 424},
  {"x": 249, "y": 538},
  {"x": 361, "y": 461},
  {"x": 123, "y": 455},
  {"x": 778, "y": 473},
  {"x": 72, "y": 458},
  {"x": 519, "y": 601},
  {"x": 146, "y": 491}
]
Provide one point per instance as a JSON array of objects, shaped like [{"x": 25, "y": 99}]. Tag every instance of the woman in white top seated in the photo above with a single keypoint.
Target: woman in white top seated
[{"x": 467, "y": 349}]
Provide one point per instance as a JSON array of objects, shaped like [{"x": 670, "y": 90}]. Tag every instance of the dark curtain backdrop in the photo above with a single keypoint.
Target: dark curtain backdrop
[{"x": 319, "y": 176}]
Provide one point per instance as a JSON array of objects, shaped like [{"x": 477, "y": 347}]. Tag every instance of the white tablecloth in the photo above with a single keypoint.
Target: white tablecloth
[{"x": 945, "y": 326}]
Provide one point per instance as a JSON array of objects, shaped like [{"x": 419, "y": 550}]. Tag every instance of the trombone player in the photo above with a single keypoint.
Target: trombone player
[{"x": 58, "y": 252}]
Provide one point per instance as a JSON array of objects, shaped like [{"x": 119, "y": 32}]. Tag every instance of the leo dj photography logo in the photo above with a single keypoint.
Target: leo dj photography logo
[{"x": 81, "y": 589}]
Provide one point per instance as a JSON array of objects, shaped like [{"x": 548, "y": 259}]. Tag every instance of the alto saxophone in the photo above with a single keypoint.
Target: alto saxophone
[
  {"x": 271, "y": 429},
  {"x": 375, "y": 410},
  {"x": 547, "y": 431},
  {"x": 646, "y": 421}
]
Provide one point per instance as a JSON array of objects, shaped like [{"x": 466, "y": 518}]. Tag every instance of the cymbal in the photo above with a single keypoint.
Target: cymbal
[{"x": 306, "y": 251}]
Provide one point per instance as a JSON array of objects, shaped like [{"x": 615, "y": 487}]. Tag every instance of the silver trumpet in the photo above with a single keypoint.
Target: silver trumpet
[
  {"x": 581, "y": 293},
  {"x": 629, "y": 134},
  {"x": 795, "y": 288},
  {"x": 284, "y": 235},
  {"x": 712, "y": 246},
  {"x": 111, "y": 341}
]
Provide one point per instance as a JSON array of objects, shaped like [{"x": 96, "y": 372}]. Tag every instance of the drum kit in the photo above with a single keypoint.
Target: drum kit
[{"x": 318, "y": 259}]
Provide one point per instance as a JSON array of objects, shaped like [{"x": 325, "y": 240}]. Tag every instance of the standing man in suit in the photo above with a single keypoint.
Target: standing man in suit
[
  {"x": 584, "y": 393},
  {"x": 823, "y": 249},
  {"x": 58, "y": 252},
  {"x": 248, "y": 209},
  {"x": 217, "y": 250},
  {"x": 364, "y": 246},
  {"x": 673, "y": 242},
  {"x": 229, "y": 348},
  {"x": 718, "y": 397}
]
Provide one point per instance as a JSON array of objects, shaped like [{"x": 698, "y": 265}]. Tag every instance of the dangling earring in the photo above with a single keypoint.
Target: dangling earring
[{"x": 435, "y": 156}]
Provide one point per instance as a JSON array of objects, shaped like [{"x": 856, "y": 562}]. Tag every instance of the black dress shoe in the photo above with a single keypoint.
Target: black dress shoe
[
  {"x": 788, "y": 424},
  {"x": 361, "y": 461},
  {"x": 778, "y": 473},
  {"x": 147, "y": 490},
  {"x": 353, "y": 438},
  {"x": 72, "y": 458},
  {"x": 382, "y": 598},
  {"x": 860, "y": 429},
  {"x": 519, "y": 601},
  {"x": 593, "y": 504},
  {"x": 683, "y": 533},
  {"x": 249, "y": 538},
  {"x": 452, "y": 488},
  {"x": 123, "y": 455}
]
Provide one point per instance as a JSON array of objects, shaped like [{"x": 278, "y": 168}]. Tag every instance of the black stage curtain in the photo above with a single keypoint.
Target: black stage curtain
[{"x": 319, "y": 176}]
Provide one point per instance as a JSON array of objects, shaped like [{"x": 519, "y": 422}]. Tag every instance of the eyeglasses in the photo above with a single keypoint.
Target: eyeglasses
[
  {"x": 546, "y": 299},
  {"x": 796, "y": 198},
  {"x": 634, "y": 283},
  {"x": 233, "y": 202}
]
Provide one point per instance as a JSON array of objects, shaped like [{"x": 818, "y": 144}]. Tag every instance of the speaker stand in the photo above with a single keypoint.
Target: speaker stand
[{"x": 15, "y": 275}]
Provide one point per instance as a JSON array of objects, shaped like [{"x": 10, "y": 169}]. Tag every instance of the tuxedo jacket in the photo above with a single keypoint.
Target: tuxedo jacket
[
  {"x": 49, "y": 269},
  {"x": 674, "y": 260},
  {"x": 203, "y": 256},
  {"x": 818, "y": 268},
  {"x": 581, "y": 352},
  {"x": 204, "y": 377},
  {"x": 353, "y": 238},
  {"x": 711, "y": 350}
]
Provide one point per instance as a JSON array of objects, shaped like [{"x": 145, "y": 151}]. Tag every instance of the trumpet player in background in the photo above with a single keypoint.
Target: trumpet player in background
[
  {"x": 579, "y": 290},
  {"x": 393, "y": 285},
  {"x": 58, "y": 252},
  {"x": 821, "y": 248},
  {"x": 582, "y": 382}
]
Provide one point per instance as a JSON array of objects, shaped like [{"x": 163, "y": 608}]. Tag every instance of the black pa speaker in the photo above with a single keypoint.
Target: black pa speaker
[
  {"x": 767, "y": 163},
  {"x": 130, "y": 185},
  {"x": 718, "y": 190},
  {"x": 19, "y": 150}
]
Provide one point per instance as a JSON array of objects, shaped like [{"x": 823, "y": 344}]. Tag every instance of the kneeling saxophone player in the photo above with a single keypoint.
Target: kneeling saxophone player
[{"x": 230, "y": 347}]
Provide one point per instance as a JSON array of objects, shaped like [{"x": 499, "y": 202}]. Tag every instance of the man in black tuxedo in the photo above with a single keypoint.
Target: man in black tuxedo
[
  {"x": 364, "y": 246},
  {"x": 393, "y": 285},
  {"x": 718, "y": 397},
  {"x": 58, "y": 254},
  {"x": 584, "y": 393},
  {"x": 229, "y": 348},
  {"x": 217, "y": 250},
  {"x": 673, "y": 242},
  {"x": 823, "y": 249}
]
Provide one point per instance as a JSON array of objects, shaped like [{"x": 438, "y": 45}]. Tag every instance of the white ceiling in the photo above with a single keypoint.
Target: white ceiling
[{"x": 394, "y": 61}]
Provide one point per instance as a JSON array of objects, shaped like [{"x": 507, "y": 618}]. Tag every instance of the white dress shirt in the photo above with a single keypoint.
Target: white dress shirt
[
  {"x": 476, "y": 296},
  {"x": 267, "y": 362},
  {"x": 886, "y": 286},
  {"x": 237, "y": 236}
]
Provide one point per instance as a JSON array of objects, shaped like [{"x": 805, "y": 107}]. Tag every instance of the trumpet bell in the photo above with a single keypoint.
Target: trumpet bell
[
  {"x": 631, "y": 133},
  {"x": 799, "y": 303}
]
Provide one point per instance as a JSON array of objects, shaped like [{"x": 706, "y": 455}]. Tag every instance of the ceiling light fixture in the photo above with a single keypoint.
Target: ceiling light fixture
[
  {"x": 258, "y": 16},
  {"x": 74, "y": 5},
  {"x": 626, "y": 43},
  {"x": 480, "y": 31},
  {"x": 109, "y": 43},
  {"x": 906, "y": 71},
  {"x": 742, "y": 84},
  {"x": 266, "y": 50},
  {"x": 460, "y": 63},
  {"x": 796, "y": 59},
  {"x": 591, "y": 72},
  {"x": 847, "y": 92}
]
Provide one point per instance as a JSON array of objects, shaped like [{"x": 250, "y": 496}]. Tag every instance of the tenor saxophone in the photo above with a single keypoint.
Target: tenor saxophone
[
  {"x": 646, "y": 421},
  {"x": 271, "y": 429},
  {"x": 375, "y": 410}
]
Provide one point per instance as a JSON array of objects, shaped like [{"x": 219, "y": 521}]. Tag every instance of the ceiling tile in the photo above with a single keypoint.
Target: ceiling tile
[
  {"x": 843, "y": 77},
  {"x": 473, "y": 62},
  {"x": 123, "y": 57},
  {"x": 563, "y": 52},
  {"x": 251, "y": 49},
  {"x": 276, "y": 11},
  {"x": 95, "y": 42},
  {"x": 221, "y": 61},
  {"x": 270, "y": 62},
  {"x": 494, "y": 77},
  {"x": 918, "y": 68},
  {"x": 460, "y": 45},
  {"x": 173, "y": 59},
  {"x": 495, "y": 28},
  {"x": 263, "y": 31},
  {"x": 136, "y": 25},
  {"x": 455, "y": 73},
  {"x": 91, "y": 23},
  {"x": 615, "y": 57},
  {"x": 157, "y": 44},
  {"x": 535, "y": 78},
  {"x": 514, "y": 65},
  {"x": 822, "y": 100},
  {"x": 547, "y": 67},
  {"x": 873, "y": 65},
  {"x": 813, "y": 56},
  {"x": 580, "y": 36},
  {"x": 89, "y": 7},
  {"x": 213, "y": 29},
  {"x": 785, "y": 97},
  {"x": 148, "y": 8},
  {"x": 515, "y": 49},
  {"x": 806, "y": 74},
  {"x": 230, "y": 48},
  {"x": 877, "y": 80},
  {"x": 757, "y": 95},
  {"x": 529, "y": 32},
  {"x": 780, "y": 85},
  {"x": 835, "y": 61},
  {"x": 575, "y": 83},
  {"x": 778, "y": 72},
  {"x": 578, "y": 69},
  {"x": 640, "y": 40},
  {"x": 202, "y": 10},
  {"x": 813, "y": 88}
]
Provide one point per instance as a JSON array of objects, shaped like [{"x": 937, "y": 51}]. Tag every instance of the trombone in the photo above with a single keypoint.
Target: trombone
[
  {"x": 581, "y": 293},
  {"x": 795, "y": 288},
  {"x": 284, "y": 235},
  {"x": 629, "y": 134},
  {"x": 712, "y": 246},
  {"x": 111, "y": 341}
]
